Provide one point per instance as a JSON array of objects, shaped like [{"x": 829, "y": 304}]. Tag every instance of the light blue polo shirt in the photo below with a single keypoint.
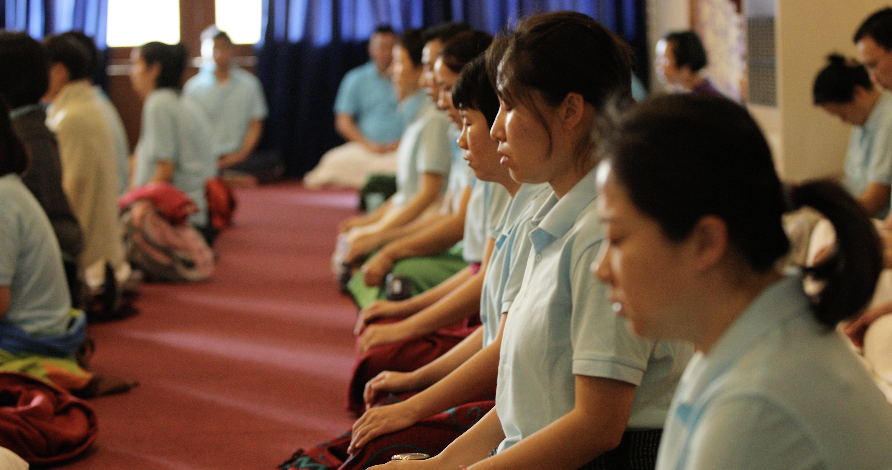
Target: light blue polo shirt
[
  {"x": 561, "y": 324},
  {"x": 230, "y": 108},
  {"x": 485, "y": 208},
  {"x": 31, "y": 263},
  {"x": 869, "y": 154},
  {"x": 175, "y": 130},
  {"x": 778, "y": 390},
  {"x": 370, "y": 99},
  {"x": 424, "y": 148},
  {"x": 504, "y": 273}
]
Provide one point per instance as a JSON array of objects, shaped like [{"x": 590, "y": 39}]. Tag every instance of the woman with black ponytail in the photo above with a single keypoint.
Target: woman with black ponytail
[
  {"x": 692, "y": 207},
  {"x": 844, "y": 89},
  {"x": 175, "y": 140}
]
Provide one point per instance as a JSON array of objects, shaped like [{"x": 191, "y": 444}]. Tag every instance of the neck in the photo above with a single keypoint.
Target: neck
[
  {"x": 725, "y": 303},
  {"x": 222, "y": 73},
  {"x": 691, "y": 80},
  {"x": 566, "y": 180},
  {"x": 510, "y": 185},
  {"x": 870, "y": 101}
]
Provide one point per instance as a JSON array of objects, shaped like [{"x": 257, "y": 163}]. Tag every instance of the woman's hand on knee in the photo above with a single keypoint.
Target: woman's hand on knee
[
  {"x": 388, "y": 382},
  {"x": 380, "y": 421},
  {"x": 380, "y": 335}
]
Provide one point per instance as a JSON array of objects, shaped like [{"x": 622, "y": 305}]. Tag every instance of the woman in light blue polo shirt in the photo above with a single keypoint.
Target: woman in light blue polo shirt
[
  {"x": 692, "y": 209},
  {"x": 176, "y": 143},
  {"x": 575, "y": 388},
  {"x": 844, "y": 89}
]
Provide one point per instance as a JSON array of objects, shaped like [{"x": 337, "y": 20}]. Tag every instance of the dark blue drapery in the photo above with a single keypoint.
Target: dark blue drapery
[
  {"x": 41, "y": 17},
  {"x": 310, "y": 44}
]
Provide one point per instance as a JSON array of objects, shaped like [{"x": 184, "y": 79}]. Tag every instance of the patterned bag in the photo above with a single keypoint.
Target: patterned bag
[{"x": 163, "y": 251}]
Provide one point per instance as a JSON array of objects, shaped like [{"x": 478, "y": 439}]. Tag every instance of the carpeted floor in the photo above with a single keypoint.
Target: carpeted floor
[{"x": 238, "y": 372}]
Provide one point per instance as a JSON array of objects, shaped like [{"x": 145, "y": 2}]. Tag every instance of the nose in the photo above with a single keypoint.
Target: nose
[
  {"x": 497, "y": 131},
  {"x": 441, "y": 99},
  {"x": 463, "y": 138},
  {"x": 601, "y": 265}
]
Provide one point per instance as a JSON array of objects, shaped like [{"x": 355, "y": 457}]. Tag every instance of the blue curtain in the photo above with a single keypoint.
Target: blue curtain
[
  {"x": 310, "y": 44},
  {"x": 42, "y": 17}
]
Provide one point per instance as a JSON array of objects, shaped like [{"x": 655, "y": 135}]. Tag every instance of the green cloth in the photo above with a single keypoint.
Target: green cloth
[
  {"x": 424, "y": 271},
  {"x": 62, "y": 372}
]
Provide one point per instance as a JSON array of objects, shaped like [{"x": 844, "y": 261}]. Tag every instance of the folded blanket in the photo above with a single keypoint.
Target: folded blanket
[{"x": 42, "y": 423}]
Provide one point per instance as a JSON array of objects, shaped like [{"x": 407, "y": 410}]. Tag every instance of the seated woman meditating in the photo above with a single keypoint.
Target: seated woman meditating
[
  {"x": 39, "y": 331},
  {"x": 391, "y": 428},
  {"x": 575, "y": 387},
  {"x": 426, "y": 256},
  {"x": 175, "y": 141},
  {"x": 424, "y": 158},
  {"x": 844, "y": 89},
  {"x": 692, "y": 209}
]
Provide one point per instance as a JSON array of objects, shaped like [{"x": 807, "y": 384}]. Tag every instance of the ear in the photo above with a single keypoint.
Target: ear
[
  {"x": 59, "y": 72},
  {"x": 709, "y": 242},
  {"x": 572, "y": 110}
]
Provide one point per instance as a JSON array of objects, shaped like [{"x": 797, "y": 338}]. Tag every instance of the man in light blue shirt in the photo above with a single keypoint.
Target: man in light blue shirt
[
  {"x": 369, "y": 116},
  {"x": 231, "y": 98}
]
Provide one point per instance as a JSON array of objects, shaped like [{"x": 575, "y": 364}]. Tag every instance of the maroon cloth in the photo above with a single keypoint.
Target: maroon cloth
[
  {"x": 42, "y": 423},
  {"x": 221, "y": 203},
  {"x": 173, "y": 204},
  {"x": 404, "y": 356},
  {"x": 429, "y": 436}
]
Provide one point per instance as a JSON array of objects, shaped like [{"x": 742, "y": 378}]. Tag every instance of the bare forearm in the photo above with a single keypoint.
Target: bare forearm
[
  {"x": 475, "y": 444},
  {"x": 452, "y": 308},
  {"x": 249, "y": 143},
  {"x": 473, "y": 378},
  {"x": 444, "y": 365},
  {"x": 594, "y": 426},
  {"x": 432, "y": 295},
  {"x": 433, "y": 239},
  {"x": 347, "y": 128}
]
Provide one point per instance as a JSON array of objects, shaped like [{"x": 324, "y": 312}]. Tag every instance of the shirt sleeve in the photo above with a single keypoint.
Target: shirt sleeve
[
  {"x": 880, "y": 170},
  {"x": 749, "y": 433},
  {"x": 160, "y": 132},
  {"x": 9, "y": 245},
  {"x": 603, "y": 346},
  {"x": 434, "y": 148},
  {"x": 346, "y": 101},
  {"x": 258, "y": 101}
]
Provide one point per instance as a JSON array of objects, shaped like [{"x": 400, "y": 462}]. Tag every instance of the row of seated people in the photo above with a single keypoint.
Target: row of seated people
[
  {"x": 676, "y": 207},
  {"x": 67, "y": 255}
]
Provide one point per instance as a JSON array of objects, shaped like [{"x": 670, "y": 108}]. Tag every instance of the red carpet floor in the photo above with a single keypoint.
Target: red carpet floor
[{"x": 238, "y": 372}]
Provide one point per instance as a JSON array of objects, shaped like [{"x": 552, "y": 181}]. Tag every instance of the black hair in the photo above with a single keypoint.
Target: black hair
[
  {"x": 172, "y": 59},
  {"x": 877, "y": 26},
  {"x": 473, "y": 90},
  {"x": 212, "y": 32},
  {"x": 681, "y": 157},
  {"x": 413, "y": 42},
  {"x": 90, "y": 46},
  {"x": 558, "y": 53},
  {"x": 687, "y": 50},
  {"x": 70, "y": 53},
  {"x": 836, "y": 82},
  {"x": 463, "y": 47},
  {"x": 383, "y": 29},
  {"x": 444, "y": 31},
  {"x": 24, "y": 76},
  {"x": 13, "y": 156}
]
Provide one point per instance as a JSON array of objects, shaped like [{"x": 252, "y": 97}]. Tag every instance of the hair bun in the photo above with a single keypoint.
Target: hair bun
[{"x": 837, "y": 60}]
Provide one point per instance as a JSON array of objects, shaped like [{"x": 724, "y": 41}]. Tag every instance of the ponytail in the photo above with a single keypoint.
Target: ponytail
[{"x": 849, "y": 275}]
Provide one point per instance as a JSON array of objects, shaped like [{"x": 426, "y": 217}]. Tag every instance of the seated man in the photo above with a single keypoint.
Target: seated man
[
  {"x": 119, "y": 134},
  {"x": 368, "y": 117},
  {"x": 234, "y": 103},
  {"x": 86, "y": 149}
]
